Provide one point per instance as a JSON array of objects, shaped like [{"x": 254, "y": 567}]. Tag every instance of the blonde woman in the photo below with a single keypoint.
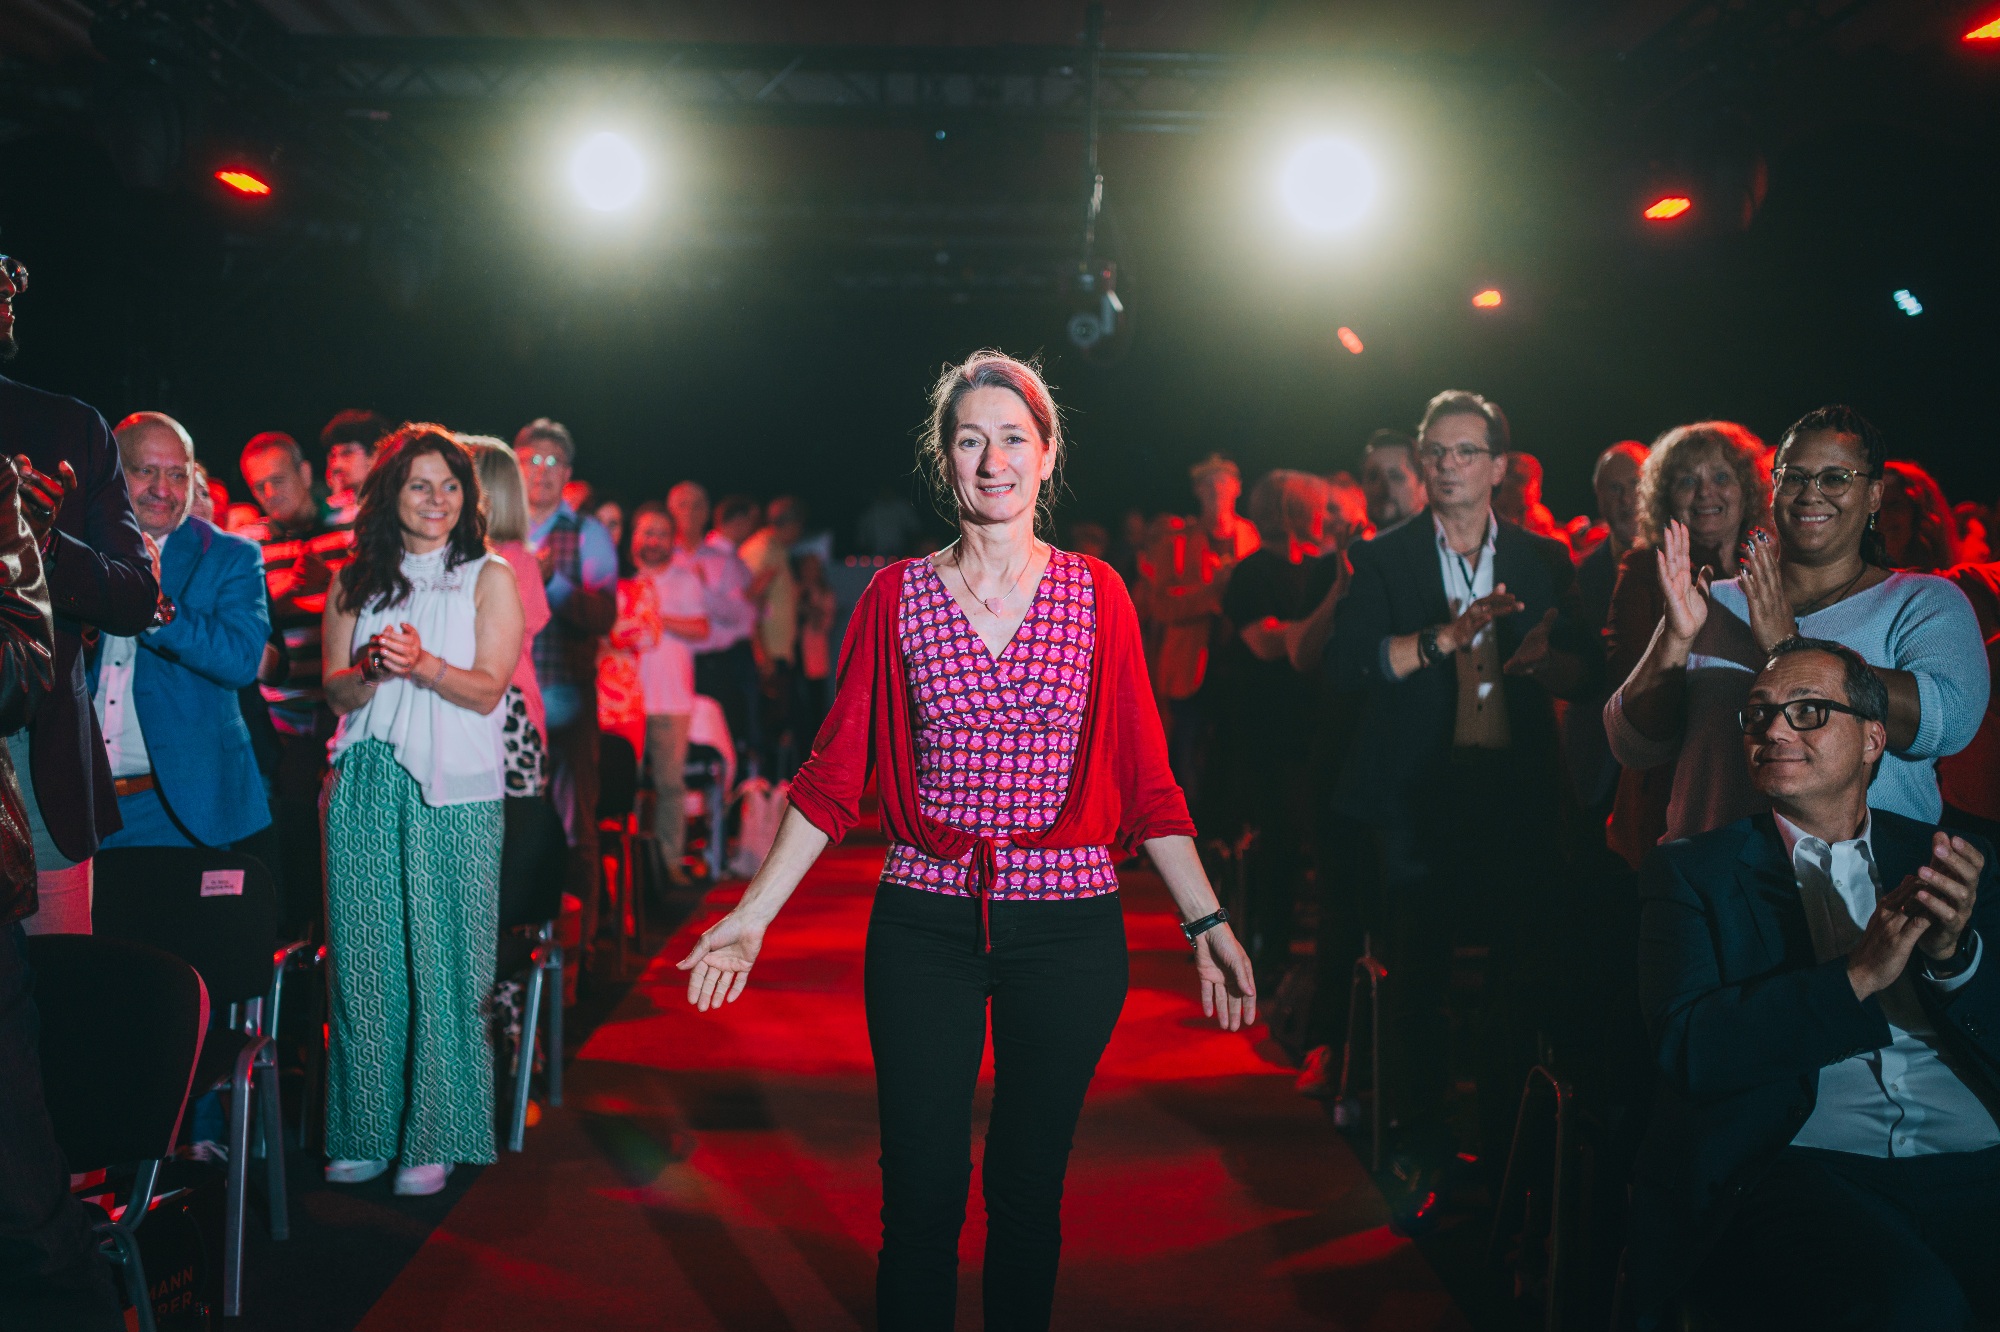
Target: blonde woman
[{"x": 504, "y": 495}]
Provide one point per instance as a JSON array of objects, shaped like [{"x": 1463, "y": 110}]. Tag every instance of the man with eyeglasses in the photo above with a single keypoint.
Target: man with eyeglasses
[
  {"x": 101, "y": 577},
  {"x": 1823, "y": 1150},
  {"x": 1458, "y": 628},
  {"x": 579, "y": 569}
]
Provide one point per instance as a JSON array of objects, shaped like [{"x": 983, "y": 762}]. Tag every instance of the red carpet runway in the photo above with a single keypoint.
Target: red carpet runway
[{"x": 718, "y": 1171}]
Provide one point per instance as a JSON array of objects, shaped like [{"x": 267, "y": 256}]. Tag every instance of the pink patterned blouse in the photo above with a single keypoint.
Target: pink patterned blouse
[{"x": 996, "y": 736}]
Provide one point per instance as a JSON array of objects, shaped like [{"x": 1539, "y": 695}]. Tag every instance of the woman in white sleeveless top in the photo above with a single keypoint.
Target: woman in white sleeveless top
[{"x": 423, "y": 631}]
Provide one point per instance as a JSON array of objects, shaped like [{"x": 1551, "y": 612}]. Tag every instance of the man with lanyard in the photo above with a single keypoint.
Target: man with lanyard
[
  {"x": 1458, "y": 627},
  {"x": 579, "y": 568}
]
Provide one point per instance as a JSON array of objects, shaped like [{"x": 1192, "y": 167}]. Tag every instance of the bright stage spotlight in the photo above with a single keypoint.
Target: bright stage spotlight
[
  {"x": 239, "y": 181},
  {"x": 1667, "y": 208},
  {"x": 1490, "y": 299},
  {"x": 1906, "y": 301},
  {"x": 1985, "y": 32},
  {"x": 1328, "y": 185},
  {"x": 607, "y": 172}
]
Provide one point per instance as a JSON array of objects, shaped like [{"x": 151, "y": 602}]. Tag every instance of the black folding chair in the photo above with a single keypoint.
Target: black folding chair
[
  {"x": 121, "y": 1034},
  {"x": 532, "y": 864},
  {"x": 708, "y": 773},
  {"x": 218, "y": 912}
]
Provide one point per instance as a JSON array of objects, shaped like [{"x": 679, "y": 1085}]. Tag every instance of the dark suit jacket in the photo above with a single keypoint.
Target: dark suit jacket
[
  {"x": 186, "y": 677},
  {"x": 99, "y": 575},
  {"x": 1406, "y": 729},
  {"x": 1742, "y": 1020},
  {"x": 27, "y": 666}
]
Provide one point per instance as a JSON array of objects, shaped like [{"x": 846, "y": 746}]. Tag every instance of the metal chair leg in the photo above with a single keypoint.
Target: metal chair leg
[
  {"x": 554, "y": 1061},
  {"x": 125, "y": 1244},
  {"x": 273, "y": 1119},
  {"x": 718, "y": 824},
  {"x": 1562, "y": 1094},
  {"x": 239, "y": 1178},
  {"x": 524, "y": 1060}
]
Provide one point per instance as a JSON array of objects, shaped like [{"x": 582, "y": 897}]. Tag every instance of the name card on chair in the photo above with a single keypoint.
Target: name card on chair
[{"x": 222, "y": 883}]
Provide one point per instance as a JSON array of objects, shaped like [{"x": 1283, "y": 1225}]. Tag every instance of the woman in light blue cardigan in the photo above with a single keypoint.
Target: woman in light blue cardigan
[{"x": 1825, "y": 577}]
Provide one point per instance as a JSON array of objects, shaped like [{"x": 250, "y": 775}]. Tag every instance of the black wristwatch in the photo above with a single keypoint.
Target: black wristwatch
[
  {"x": 1955, "y": 967},
  {"x": 1427, "y": 644},
  {"x": 1194, "y": 929}
]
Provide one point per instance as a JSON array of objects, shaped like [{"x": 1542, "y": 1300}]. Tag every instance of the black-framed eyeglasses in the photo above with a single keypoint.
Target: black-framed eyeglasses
[
  {"x": 1831, "y": 482},
  {"x": 1801, "y": 714},
  {"x": 1461, "y": 454},
  {"x": 15, "y": 271}
]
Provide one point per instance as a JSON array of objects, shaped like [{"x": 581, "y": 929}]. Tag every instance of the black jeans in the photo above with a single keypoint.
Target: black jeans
[
  {"x": 50, "y": 1275},
  {"x": 1830, "y": 1240},
  {"x": 1056, "y": 978}
]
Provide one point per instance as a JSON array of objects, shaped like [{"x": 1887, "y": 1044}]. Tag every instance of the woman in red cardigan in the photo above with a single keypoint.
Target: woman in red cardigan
[{"x": 998, "y": 690}]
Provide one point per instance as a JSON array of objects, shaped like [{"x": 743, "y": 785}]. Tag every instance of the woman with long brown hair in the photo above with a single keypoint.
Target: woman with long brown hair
[
  {"x": 998, "y": 691},
  {"x": 422, "y": 636}
]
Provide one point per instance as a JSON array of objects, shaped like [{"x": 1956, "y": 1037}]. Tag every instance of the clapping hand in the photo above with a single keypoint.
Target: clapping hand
[
  {"x": 719, "y": 966},
  {"x": 398, "y": 649},
  {"x": 1763, "y": 584},
  {"x": 1228, "y": 987},
  {"x": 1685, "y": 587},
  {"x": 1533, "y": 654},
  {"x": 42, "y": 495},
  {"x": 1945, "y": 892},
  {"x": 1884, "y": 951},
  {"x": 1459, "y": 634}
]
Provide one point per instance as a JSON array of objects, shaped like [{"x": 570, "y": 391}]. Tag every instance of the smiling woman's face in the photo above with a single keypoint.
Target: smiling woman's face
[
  {"x": 1813, "y": 527},
  {"x": 430, "y": 502},
  {"x": 997, "y": 457},
  {"x": 1706, "y": 496}
]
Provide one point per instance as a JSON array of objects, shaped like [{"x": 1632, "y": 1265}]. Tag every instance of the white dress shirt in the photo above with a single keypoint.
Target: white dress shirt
[
  {"x": 1482, "y": 705},
  {"x": 118, "y": 710},
  {"x": 1903, "y": 1099},
  {"x": 731, "y": 616}
]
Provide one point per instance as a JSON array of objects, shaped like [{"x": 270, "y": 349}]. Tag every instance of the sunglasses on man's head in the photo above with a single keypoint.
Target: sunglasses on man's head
[{"x": 1801, "y": 714}]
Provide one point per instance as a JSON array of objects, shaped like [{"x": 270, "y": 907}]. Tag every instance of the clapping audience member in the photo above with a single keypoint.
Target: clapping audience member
[
  {"x": 301, "y": 553},
  {"x": 157, "y": 690},
  {"x": 1191, "y": 561},
  {"x": 51, "y": 1275},
  {"x": 1712, "y": 478},
  {"x": 1917, "y": 528},
  {"x": 504, "y": 494},
  {"x": 348, "y": 443},
  {"x": 621, "y": 703},
  {"x": 1823, "y": 577},
  {"x": 1519, "y": 498},
  {"x": 1459, "y": 627},
  {"x": 579, "y": 571},
  {"x": 1269, "y": 707},
  {"x": 1593, "y": 773},
  {"x": 767, "y": 553},
  {"x": 724, "y": 666},
  {"x": 423, "y": 634},
  {"x": 100, "y": 577},
  {"x": 672, "y": 579},
  {"x": 611, "y": 514},
  {"x": 817, "y": 607},
  {"x": 1823, "y": 1151}
]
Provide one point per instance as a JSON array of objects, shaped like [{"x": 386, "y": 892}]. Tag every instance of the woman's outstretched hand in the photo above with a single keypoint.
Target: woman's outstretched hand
[
  {"x": 719, "y": 966},
  {"x": 1228, "y": 989},
  {"x": 1685, "y": 587}
]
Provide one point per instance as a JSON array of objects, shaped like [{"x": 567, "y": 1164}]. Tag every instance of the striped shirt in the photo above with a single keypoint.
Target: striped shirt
[{"x": 298, "y": 568}]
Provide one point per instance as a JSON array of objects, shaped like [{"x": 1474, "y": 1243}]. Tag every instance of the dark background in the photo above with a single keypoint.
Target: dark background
[{"x": 711, "y": 343}]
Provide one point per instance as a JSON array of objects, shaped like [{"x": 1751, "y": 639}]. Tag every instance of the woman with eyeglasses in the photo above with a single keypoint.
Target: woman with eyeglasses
[
  {"x": 1713, "y": 479},
  {"x": 1824, "y": 576}
]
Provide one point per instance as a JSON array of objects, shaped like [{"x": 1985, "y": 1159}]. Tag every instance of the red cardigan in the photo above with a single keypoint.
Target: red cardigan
[{"x": 1121, "y": 792}]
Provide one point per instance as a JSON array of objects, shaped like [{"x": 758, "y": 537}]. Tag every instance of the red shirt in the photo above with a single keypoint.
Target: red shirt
[{"x": 1120, "y": 792}]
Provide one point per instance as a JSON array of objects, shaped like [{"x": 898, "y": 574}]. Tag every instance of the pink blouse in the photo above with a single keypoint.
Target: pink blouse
[
  {"x": 996, "y": 737},
  {"x": 534, "y": 616}
]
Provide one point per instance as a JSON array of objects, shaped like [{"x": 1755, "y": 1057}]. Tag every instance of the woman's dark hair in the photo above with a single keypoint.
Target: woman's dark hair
[
  {"x": 1842, "y": 420},
  {"x": 627, "y": 566},
  {"x": 375, "y": 577}
]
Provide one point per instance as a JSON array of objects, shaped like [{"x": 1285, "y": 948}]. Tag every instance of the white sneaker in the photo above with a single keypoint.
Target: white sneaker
[
  {"x": 353, "y": 1172},
  {"x": 421, "y": 1181}
]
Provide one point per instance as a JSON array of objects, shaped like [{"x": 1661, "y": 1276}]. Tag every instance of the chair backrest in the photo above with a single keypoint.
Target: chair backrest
[
  {"x": 121, "y": 1029},
  {"x": 705, "y": 765},
  {"x": 215, "y": 910},
  {"x": 533, "y": 859},
  {"x": 617, "y": 776}
]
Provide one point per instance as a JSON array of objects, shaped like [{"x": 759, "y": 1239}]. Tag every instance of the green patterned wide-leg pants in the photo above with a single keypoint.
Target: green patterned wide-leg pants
[{"x": 413, "y": 917}]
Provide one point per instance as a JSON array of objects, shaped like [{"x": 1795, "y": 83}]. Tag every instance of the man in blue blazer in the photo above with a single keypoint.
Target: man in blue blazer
[
  {"x": 166, "y": 700},
  {"x": 1824, "y": 1151}
]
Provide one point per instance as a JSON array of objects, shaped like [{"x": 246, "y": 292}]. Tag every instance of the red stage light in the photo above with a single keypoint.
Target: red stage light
[
  {"x": 1490, "y": 299},
  {"x": 1985, "y": 32},
  {"x": 244, "y": 182},
  {"x": 1668, "y": 207},
  {"x": 1349, "y": 339}
]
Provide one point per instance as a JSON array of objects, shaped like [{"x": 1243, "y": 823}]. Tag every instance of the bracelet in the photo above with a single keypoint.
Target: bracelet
[
  {"x": 437, "y": 679},
  {"x": 1427, "y": 645},
  {"x": 1194, "y": 929},
  {"x": 371, "y": 666}
]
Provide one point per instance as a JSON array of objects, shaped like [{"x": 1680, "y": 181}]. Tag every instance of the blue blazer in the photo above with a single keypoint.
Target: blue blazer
[
  {"x": 186, "y": 677},
  {"x": 1743, "y": 1017}
]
